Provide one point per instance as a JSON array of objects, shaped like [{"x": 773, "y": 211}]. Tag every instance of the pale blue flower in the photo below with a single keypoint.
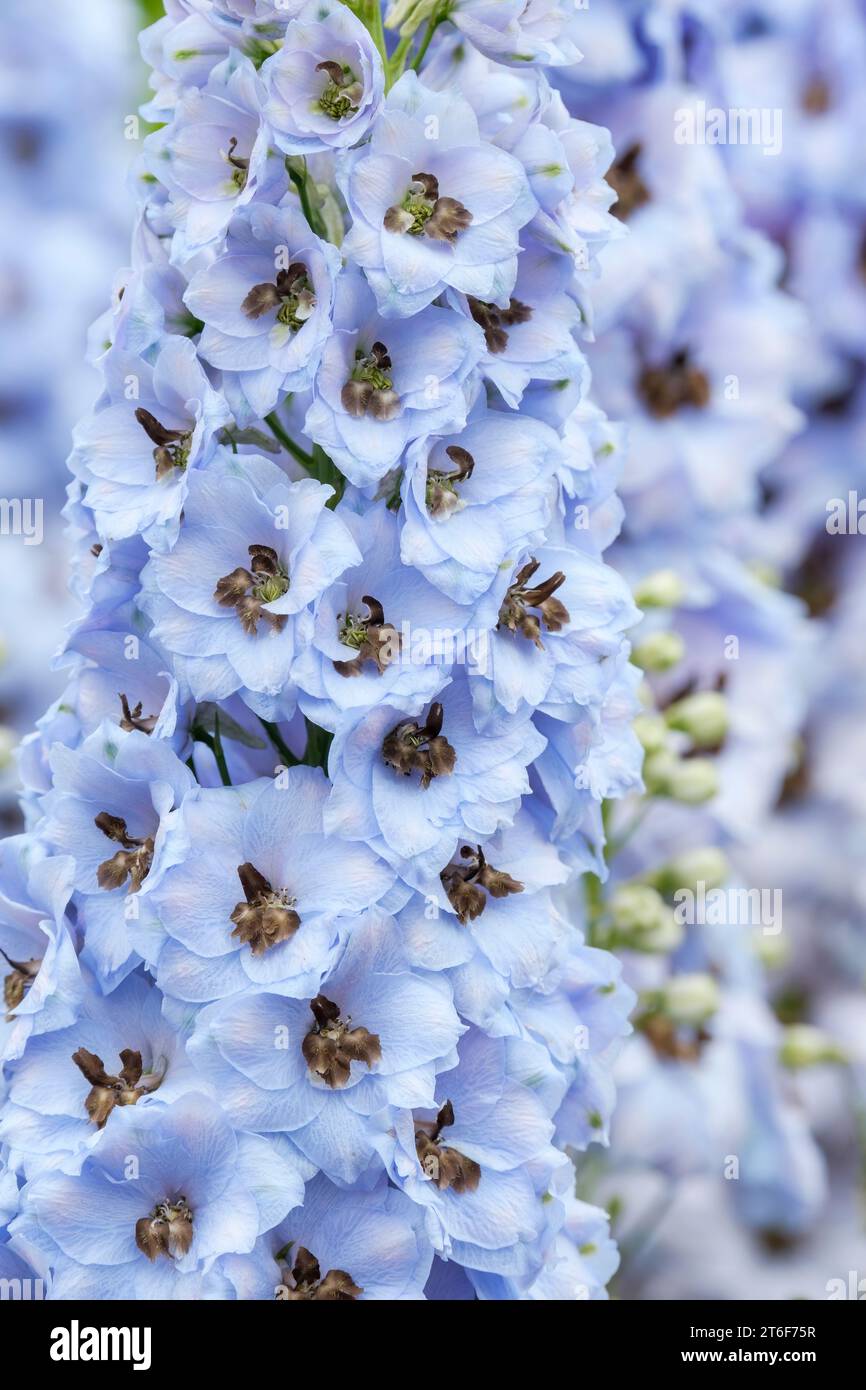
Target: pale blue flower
[{"x": 457, "y": 226}]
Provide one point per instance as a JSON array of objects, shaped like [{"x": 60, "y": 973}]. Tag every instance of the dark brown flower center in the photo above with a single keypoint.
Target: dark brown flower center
[
  {"x": 666, "y": 389},
  {"x": 291, "y": 294},
  {"x": 166, "y": 1231},
  {"x": 465, "y": 884},
  {"x": 441, "y": 495},
  {"x": 423, "y": 212},
  {"x": 372, "y": 638},
  {"x": 411, "y": 745},
  {"x": 626, "y": 182},
  {"x": 307, "y": 1282},
  {"x": 248, "y": 590},
  {"x": 446, "y": 1167},
  {"x": 370, "y": 390},
  {"x": 332, "y": 1044},
  {"x": 18, "y": 981},
  {"x": 268, "y": 915},
  {"x": 106, "y": 1090},
  {"x": 172, "y": 446},
  {"x": 134, "y": 719},
  {"x": 523, "y": 596},
  {"x": 132, "y": 861},
  {"x": 496, "y": 321}
]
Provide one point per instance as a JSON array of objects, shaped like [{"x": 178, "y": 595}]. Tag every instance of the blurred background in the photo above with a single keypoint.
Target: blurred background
[
  {"x": 780, "y": 1077},
  {"x": 70, "y": 76}
]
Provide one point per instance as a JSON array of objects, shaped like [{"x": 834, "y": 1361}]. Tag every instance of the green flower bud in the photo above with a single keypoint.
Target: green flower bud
[
  {"x": 651, "y": 730},
  {"x": 707, "y": 865},
  {"x": 691, "y": 780},
  {"x": 806, "y": 1046},
  {"x": 661, "y": 589},
  {"x": 772, "y": 951},
  {"x": 641, "y": 920},
  {"x": 703, "y": 716},
  {"x": 636, "y": 907},
  {"x": 8, "y": 744},
  {"x": 690, "y": 999},
  {"x": 659, "y": 652}
]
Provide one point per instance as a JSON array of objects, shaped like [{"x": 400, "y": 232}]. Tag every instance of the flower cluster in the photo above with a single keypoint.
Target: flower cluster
[
  {"x": 299, "y": 1003},
  {"x": 715, "y": 369}
]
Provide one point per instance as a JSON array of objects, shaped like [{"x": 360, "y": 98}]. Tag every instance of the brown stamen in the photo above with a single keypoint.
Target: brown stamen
[
  {"x": 422, "y": 211},
  {"x": 513, "y": 612},
  {"x": 496, "y": 321},
  {"x": 248, "y": 590},
  {"x": 308, "y": 1284},
  {"x": 18, "y": 982},
  {"x": 172, "y": 446},
  {"x": 410, "y": 745},
  {"x": 267, "y": 917},
  {"x": 107, "y": 1090},
  {"x": 131, "y": 862},
  {"x": 290, "y": 294},
  {"x": 626, "y": 182},
  {"x": 369, "y": 390},
  {"x": 240, "y": 165},
  {"x": 166, "y": 1231},
  {"x": 134, "y": 719},
  {"x": 667, "y": 389},
  {"x": 668, "y": 1043},
  {"x": 332, "y": 1045},
  {"x": 464, "y": 883},
  {"x": 441, "y": 494},
  {"x": 445, "y": 1167},
  {"x": 376, "y": 640},
  {"x": 816, "y": 97}
]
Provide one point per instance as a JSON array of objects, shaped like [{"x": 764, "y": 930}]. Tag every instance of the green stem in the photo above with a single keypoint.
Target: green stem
[
  {"x": 318, "y": 746},
  {"x": 433, "y": 23},
  {"x": 397, "y": 61},
  {"x": 214, "y": 743},
  {"x": 324, "y": 468},
  {"x": 315, "y": 753},
  {"x": 301, "y": 180},
  {"x": 279, "y": 743},
  {"x": 377, "y": 30},
  {"x": 218, "y": 751},
  {"x": 275, "y": 424},
  {"x": 318, "y": 464}
]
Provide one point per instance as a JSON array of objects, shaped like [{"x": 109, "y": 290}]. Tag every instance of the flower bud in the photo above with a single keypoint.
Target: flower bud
[
  {"x": 635, "y": 907},
  {"x": 651, "y": 730},
  {"x": 661, "y": 589},
  {"x": 691, "y": 780},
  {"x": 806, "y": 1046},
  {"x": 659, "y": 652},
  {"x": 8, "y": 744},
  {"x": 690, "y": 999},
  {"x": 703, "y": 716},
  {"x": 707, "y": 865},
  {"x": 641, "y": 920},
  {"x": 773, "y": 952}
]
